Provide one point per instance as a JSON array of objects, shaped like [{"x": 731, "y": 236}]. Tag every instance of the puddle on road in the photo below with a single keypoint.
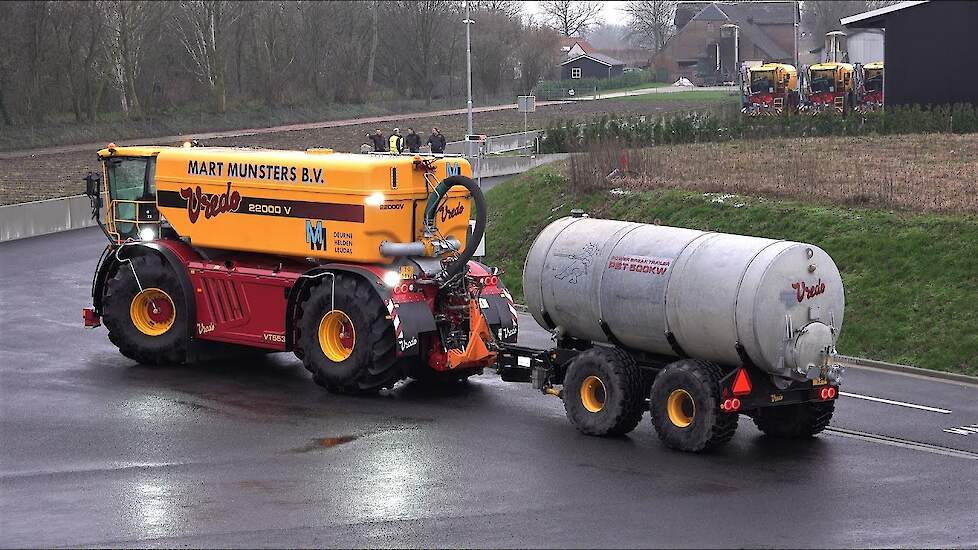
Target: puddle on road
[{"x": 325, "y": 443}]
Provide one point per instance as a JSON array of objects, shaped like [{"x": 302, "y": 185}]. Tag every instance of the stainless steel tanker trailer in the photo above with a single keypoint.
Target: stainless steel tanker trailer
[{"x": 696, "y": 327}]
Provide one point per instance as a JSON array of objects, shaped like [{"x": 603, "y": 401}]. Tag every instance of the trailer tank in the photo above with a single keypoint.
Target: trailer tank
[{"x": 673, "y": 291}]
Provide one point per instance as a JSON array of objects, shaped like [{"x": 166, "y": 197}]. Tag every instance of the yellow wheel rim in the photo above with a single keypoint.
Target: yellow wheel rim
[
  {"x": 593, "y": 394},
  {"x": 681, "y": 408},
  {"x": 337, "y": 337},
  {"x": 152, "y": 312}
]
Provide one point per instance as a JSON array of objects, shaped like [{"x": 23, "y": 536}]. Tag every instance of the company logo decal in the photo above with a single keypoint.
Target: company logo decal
[
  {"x": 640, "y": 264},
  {"x": 210, "y": 204},
  {"x": 204, "y": 328},
  {"x": 315, "y": 236},
  {"x": 803, "y": 291},
  {"x": 405, "y": 343},
  {"x": 449, "y": 213}
]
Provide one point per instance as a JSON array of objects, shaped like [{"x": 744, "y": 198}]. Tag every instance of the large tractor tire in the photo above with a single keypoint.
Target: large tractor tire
[
  {"x": 148, "y": 325},
  {"x": 604, "y": 392},
  {"x": 348, "y": 343},
  {"x": 685, "y": 403},
  {"x": 799, "y": 421}
]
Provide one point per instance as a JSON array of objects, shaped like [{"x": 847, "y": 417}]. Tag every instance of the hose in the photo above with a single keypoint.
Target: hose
[{"x": 478, "y": 232}]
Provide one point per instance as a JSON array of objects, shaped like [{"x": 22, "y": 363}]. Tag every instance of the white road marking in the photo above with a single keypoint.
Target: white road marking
[
  {"x": 904, "y": 443},
  {"x": 963, "y": 430},
  {"x": 899, "y": 403}
]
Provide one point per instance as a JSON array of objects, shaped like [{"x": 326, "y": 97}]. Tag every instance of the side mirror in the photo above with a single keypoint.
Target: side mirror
[{"x": 93, "y": 183}]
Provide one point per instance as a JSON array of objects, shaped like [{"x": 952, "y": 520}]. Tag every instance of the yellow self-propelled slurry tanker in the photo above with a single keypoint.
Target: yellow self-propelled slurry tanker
[{"x": 360, "y": 264}]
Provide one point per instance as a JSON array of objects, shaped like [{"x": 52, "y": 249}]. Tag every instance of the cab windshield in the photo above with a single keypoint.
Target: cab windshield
[
  {"x": 823, "y": 81},
  {"x": 131, "y": 186},
  {"x": 874, "y": 81},
  {"x": 761, "y": 82}
]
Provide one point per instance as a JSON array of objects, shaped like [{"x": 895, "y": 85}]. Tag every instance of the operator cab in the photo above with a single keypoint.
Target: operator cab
[{"x": 130, "y": 187}]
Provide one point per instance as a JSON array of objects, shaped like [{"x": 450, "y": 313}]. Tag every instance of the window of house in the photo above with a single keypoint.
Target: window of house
[{"x": 575, "y": 72}]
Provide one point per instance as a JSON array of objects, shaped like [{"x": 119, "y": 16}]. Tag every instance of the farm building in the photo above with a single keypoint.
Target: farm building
[
  {"x": 931, "y": 58},
  {"x": 591, "y": 65},
  {"x": 703, "y": 51},
  {"x": 863, "y": 45}
]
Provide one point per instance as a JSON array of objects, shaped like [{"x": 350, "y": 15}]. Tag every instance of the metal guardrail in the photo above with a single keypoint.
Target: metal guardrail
[{"x": 503, "y": 143}]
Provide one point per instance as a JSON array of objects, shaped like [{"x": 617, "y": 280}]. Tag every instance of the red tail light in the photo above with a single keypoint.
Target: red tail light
[
  {"x": 828, "y": 393},
  {"x": 730, "y": 405},
  {"x": 741, "y": 385},
  {"x": 832, "y": 393}
]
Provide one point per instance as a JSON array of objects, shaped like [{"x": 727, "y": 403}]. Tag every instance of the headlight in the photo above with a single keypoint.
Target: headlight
[
  {"x": 391, "y": 278},
  {"x": 147, "y": 234},
  {"x": 374, "y": 199}
]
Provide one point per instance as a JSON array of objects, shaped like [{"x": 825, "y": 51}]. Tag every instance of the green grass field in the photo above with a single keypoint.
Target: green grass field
[
  {"x": 911, "y": 279},
  {"x": 718, "y": 96}
]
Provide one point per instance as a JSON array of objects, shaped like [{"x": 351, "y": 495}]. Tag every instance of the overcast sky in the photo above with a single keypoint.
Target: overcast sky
[{"x": 611, "y": 14}]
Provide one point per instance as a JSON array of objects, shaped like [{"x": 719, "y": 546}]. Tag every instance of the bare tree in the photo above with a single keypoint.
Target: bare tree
[
  {"x": 538, "y": 54},
  {"x": 204, "y": 27},
  {"x": 495, "y": 38},
  {"x": 509, "y": 8},
  {"x": 129, "y": 24},
  {"x": 422, "y": 21},
  {"x": 650, "y": 22},
  {"x": 824, "y": 15},
  {"x": 570, "y": 18}
]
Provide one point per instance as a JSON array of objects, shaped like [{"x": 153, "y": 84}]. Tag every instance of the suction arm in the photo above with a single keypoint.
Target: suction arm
[{"x": 480, "y": 218}]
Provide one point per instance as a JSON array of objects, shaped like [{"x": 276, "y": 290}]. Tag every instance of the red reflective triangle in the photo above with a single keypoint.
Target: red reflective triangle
[{"x": 741, "y": 385}]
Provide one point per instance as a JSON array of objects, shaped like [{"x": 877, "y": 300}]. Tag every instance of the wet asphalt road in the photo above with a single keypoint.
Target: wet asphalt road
[{"x": 96, "y": 451}]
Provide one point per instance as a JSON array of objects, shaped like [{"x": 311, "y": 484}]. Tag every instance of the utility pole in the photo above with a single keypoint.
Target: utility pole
[
  {"x": 468, "y": 61},
  {"x": 794, "y": 18}
]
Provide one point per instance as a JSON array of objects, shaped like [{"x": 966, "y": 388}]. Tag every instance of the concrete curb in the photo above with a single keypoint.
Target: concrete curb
[
  {"x": 880, "y": 365},
  {"x": 907, "y": 369}
]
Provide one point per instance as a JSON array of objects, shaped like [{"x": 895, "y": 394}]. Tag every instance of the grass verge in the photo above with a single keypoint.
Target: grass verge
[{"x": 911, "y": 278}]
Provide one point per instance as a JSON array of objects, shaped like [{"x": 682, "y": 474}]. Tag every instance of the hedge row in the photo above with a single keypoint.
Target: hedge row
[{"x": 728, "y": 123}]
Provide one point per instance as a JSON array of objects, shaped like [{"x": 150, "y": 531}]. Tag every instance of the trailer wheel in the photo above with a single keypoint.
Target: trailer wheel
[
  {"x": 347, "y": 343},
  {"x": 799, "y": 421},
  {"x": 685, "y": 403},
  {"x": 148, "y": 325},
  {"x": 604, "y": 392}
]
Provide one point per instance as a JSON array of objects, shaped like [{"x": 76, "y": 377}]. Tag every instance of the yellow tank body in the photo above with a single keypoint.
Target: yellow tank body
[{"x": 314, "y": 203}]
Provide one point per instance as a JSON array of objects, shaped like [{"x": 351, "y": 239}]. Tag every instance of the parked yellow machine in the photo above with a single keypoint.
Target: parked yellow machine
[
  {"x": 831, "y": 88},
  {"x": 870, "y": 90},
  {"x": 772, "y": 89}
]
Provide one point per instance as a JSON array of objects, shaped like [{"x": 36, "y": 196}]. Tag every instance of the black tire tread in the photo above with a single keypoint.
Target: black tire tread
[
  {"x": 723, "y": 429},
  {"x": 624, "y": 368},
  {"x": 383, "y": 370},
  {"x": 152, "y": 271}
]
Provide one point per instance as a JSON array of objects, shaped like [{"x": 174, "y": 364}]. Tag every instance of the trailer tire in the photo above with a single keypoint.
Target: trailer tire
[
  {"x": 604, "y": 392},
  {"x": 147, "y": 324},
  {"x": 685, "y": 405},
  {"x": 798, "y": 421},
  {"x": 347, "y": 344}
]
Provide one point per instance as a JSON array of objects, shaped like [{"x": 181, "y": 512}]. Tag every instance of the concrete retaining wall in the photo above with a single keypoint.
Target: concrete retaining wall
[
  {"x": 507, "y": 166},
  {"x": 29, "y": 219}
]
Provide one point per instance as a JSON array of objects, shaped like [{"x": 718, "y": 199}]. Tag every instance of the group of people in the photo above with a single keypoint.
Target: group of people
[{"x": 397, "y": 144}]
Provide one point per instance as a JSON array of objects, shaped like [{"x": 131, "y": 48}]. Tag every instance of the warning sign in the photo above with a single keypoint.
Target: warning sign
[{"x": 652, "y": 265}]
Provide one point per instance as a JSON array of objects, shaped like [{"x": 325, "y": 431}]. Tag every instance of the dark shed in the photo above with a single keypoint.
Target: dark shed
[
  {"x": 931, "y": 51},
  {"x": 591, "y": 65}
]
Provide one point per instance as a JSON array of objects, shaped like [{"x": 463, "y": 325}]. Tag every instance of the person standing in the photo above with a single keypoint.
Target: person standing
[
  {"x": 437, "y": 141},
  {"x": 377, "y": 138},
  {"x": 396, "y": 142},
  {"x": 413, "y": 141}
]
